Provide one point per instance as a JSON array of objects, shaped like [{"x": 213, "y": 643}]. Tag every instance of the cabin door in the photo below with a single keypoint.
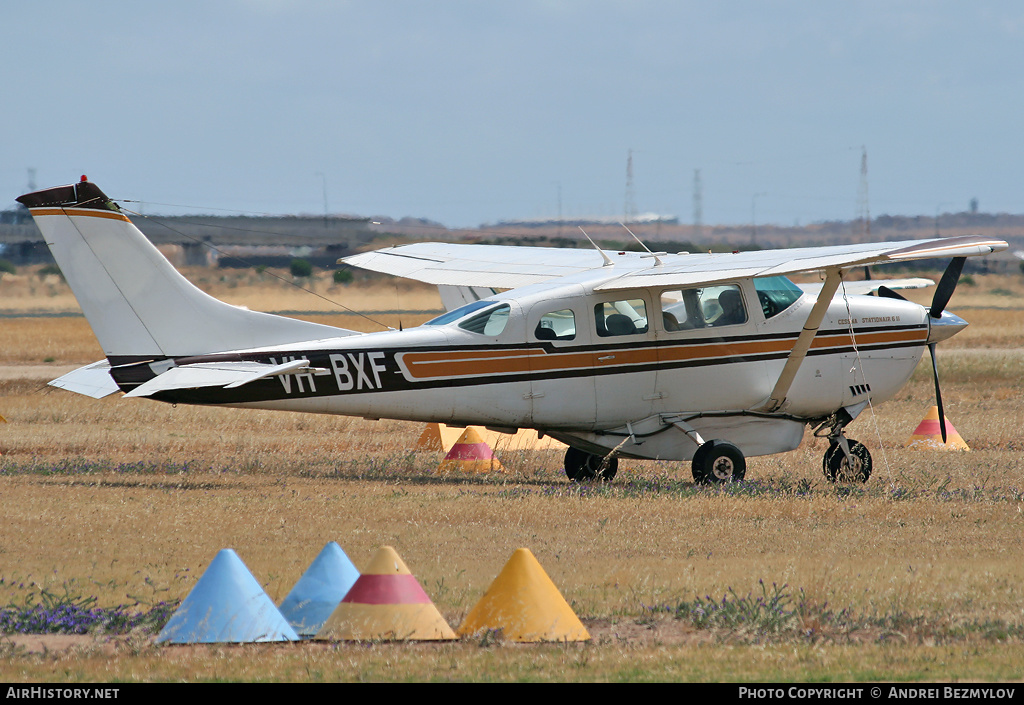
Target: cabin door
[{"x": 561, "y": 365}]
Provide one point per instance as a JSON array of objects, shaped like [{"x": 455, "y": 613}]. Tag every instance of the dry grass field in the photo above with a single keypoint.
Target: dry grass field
[{"x": 917, "y": 575}]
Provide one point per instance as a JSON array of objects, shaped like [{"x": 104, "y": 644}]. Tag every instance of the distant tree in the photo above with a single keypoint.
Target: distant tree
[
  {"x": 8, "y": 266},
  {"x": 49, "y": 269},
  {"x": 342, "y": 276},
  {"x": 301, "y": 268}
]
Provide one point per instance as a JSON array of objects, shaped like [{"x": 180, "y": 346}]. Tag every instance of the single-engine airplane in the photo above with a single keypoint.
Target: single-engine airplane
[{"x": 705, "y": 357}]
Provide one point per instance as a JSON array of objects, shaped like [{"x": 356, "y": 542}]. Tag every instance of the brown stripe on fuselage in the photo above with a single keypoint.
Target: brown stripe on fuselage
[
  {"x": 891, "y": 336},
  {"x": 473, "y": 363}
]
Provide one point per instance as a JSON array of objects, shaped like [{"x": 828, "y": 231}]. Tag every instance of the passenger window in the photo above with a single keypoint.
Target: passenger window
[
  {"x": 680, "y": 309},
  {"x": 627, "y": 317},
  {"x": 490, "y": 323},
  {"x": 557, "y": 325}
]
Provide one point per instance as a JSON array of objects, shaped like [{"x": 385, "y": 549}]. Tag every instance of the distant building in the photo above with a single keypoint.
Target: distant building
[{"x": 639, "y": 218}]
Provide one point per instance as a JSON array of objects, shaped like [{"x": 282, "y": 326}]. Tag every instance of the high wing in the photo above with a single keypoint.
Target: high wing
[
  {"x": 511, "y": 267},
  {"x": 498, "y": 266}
]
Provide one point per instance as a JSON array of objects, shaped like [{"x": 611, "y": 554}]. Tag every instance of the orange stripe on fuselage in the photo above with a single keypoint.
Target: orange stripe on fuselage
[{"x": 474, "y": 363}]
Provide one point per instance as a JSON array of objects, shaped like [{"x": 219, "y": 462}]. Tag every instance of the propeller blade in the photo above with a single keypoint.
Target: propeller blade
[
  {"x": 887, "y": 293},
  {"x": 946, "y": 287},
  {"x": 938, "y": 392}
]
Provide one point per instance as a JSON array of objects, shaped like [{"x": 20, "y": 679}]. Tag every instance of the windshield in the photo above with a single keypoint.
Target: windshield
[
  {"x": 491, "y": 322},
  {"x": 776, "y": 294},
  {"x": 456, "y": 314}
]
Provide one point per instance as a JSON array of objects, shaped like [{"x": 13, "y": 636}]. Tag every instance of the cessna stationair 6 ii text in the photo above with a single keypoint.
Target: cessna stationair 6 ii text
[{"x": 709, "y": 357}]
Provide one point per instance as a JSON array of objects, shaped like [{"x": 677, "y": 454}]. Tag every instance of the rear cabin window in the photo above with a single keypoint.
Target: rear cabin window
[
  {"x": 776, "y": 294},
  {"x": 557, "y": 325},
  {"x": 626, "y": 317}
]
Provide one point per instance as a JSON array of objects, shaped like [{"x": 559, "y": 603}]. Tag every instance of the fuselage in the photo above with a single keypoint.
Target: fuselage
[{"x": 595, "y": 367}]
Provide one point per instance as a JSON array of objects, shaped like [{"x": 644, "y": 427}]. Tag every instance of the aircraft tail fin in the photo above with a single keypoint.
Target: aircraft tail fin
[{"x": 139, "y": 306}]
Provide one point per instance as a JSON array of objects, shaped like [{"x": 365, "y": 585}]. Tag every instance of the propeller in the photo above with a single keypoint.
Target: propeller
[
  {"x": 938, "y": 392},
  {"x": 943, "y": 292},
  {"x": 946, "y": 287}
]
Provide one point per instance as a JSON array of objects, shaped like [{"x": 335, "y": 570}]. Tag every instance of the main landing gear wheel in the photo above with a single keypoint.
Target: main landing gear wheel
[
  {"x": 838, "y": 469},
  {"x": 718, "y": 461},
  {"x": 580, "y": 466}
]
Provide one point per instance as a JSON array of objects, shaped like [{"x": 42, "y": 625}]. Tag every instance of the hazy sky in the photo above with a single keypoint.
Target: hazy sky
[{"x": 472, "y": 111}]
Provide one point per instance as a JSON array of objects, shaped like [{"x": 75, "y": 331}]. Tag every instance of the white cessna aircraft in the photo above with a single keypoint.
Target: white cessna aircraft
[{"x": 709, "y": 357}]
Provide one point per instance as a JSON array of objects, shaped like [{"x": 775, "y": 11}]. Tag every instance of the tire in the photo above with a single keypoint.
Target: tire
[
  {"x": 717, "y": 462},
  {"x": 581, "y": 467},
  {"x": 837, "y": 469}
]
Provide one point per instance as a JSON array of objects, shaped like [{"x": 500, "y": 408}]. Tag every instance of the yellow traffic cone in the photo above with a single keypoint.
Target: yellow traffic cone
[
  {"x": 928, "y": 435},
  {"x": 525, "y": 605},
  {"x": 430, "y": 439}
]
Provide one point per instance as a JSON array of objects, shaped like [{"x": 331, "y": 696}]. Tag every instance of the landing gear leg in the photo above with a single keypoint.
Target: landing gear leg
[{"x": 580, "y": 466}]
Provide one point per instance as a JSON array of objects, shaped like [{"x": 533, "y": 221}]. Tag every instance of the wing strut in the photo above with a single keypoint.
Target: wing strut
[{"x": 803, "y": 342}]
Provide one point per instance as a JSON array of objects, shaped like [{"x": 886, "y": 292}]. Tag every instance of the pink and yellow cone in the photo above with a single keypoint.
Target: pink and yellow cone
[
  {"x": 470, "y": 454},
  {"x": 928, "y": 435},
  {"x": 386, "y": 603},
  {"x": 524, "y": 604}
]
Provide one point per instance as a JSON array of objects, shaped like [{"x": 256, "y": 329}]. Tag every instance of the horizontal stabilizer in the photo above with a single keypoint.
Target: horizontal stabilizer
[
  {"x": 92, "y": 380},
  {"x": 227, "y": 375}
]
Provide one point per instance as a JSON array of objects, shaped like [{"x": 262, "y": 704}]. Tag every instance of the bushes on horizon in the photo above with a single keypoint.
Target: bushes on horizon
[{"x": 301, "y": 268}]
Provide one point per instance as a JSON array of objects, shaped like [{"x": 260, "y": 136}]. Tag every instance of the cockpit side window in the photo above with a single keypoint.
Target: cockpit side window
[
  {"x": 626, "y": 317},
  {"x": 490, "y": 323},
  {"x": 685, "y": 309},
  {"x": 776, "y": 294},
  {"x": 557, "y": 325},
  {"x": 728, "y": 301}
]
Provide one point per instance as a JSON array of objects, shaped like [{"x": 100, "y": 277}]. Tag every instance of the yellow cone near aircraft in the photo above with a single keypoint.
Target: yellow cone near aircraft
[
  {"x": 386, "y": 603},
  {"x": 525, "y": 605},
  {"x": 439, "y": 436}
]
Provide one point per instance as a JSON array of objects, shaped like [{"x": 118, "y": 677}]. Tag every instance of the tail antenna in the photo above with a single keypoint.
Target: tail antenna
[{"x": 607, "y": 260}]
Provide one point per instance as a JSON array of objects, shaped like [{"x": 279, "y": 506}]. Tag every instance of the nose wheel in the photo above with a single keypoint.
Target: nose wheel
[
  {"x": 580, "y": 466},
  {"x": 840, "y": 467},
  {"x": 716, "y": 462},
  {"x": 846, "y": 460}
]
